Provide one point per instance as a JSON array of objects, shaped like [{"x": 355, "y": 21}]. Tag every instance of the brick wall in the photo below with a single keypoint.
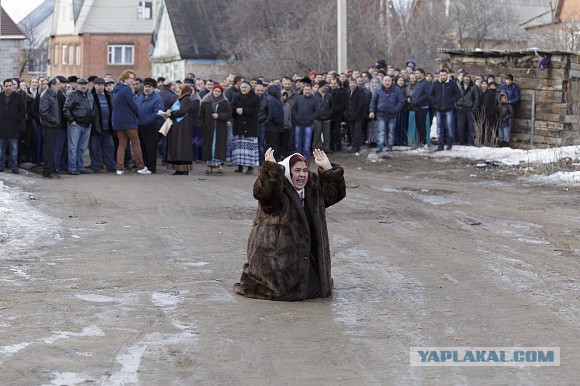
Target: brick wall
[
  {"x": 94, "y": 55},
  {"x": 9, "y": 59}
]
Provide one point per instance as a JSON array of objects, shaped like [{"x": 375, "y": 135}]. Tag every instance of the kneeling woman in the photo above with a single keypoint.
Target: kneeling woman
[{"x": 288, "y": 248}]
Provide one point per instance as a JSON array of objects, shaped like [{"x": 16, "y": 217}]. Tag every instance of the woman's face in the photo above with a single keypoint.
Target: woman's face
[
  {"x": 400, "y": 82},
  {"x": 299, "y": 174},
  {"x": 245, "y": 88},
  {"x": 375, "y": 83},
  {"x": 216, "y": 92}
]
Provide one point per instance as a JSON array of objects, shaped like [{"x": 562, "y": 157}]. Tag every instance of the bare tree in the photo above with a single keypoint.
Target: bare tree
[
  {"x": 563, "y": 36},
  {"x": 34, "y": 48},
  {"x": 484, "y": 24}
]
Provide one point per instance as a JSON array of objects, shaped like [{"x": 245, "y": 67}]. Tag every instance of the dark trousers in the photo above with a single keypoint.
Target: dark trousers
[
  {"x": 49, "y": 135},
  {"x": 261, "y": 141},
  {"x": 421, "y": 123},
  {"x": 335, "y": 143},
  {"x": 465, "y": 127},
  {"x": 149, "y": 140},
  {"x": 284, "y": 143},
  {"x": 273, "y": 140},
  {"x": 102, "y": 147},
  {"x": 356, "y": 134}
]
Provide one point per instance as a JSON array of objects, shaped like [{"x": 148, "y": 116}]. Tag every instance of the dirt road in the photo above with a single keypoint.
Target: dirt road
[{"x": 131, "y": 281}]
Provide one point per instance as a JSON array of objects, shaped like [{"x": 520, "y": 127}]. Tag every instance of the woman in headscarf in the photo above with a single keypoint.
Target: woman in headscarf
[
  {"x": 288, "y": 248},
  {"x": 180, "y": 137},
  {"x": 197, "y": 139},
  {"x": 214, "y": 114},
  {"x": 245, "y": 109}
]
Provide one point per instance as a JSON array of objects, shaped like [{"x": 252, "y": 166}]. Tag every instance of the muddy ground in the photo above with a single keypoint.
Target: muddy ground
[{"x": 131, "y": 281}]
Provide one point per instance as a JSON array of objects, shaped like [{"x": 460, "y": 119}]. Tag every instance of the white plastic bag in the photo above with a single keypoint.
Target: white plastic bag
[{"x": 166, "y": 127}]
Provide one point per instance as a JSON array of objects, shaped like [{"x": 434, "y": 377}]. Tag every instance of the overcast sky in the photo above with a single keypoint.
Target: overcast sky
[{"x": 18, "y": 9}]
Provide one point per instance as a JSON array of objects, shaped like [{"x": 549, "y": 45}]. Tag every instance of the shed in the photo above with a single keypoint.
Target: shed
[
  {"x": 548, "y": 114},
  {"x": 187, "y": 38}
]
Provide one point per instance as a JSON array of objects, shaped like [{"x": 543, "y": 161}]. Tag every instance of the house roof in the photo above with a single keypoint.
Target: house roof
[
  {"x": 537, "y": 12},
  {"x": 197, "y": 26},
  {"x": 9, "y": 28},
  {"x": 486, "y": 53},
  {"x": 38, "y": 15}
]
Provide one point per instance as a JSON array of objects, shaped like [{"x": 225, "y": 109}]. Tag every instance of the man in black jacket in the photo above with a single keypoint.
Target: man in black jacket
[
  {"x": 339, "y": 104},
  {"x": 467, "y": 105},
  {"x": 322, "y": 123},
  {"x": 444, "y": 94},
  {"x": 102, "y": 144},
  {"x": 49, "y": 116},
  {"x": 60, "y": 147},
  {"x": 12, "y": 112},
  {"x": 80, "y": 113},
  {"x": 355, "y": 114},
  {"x": 262, "y": 117},
  {"x": 305, "y": 112}
]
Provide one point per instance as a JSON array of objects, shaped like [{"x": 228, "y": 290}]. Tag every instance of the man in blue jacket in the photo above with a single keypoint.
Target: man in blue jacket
[
  {"x": 444, "y": 95},
  {"x": 511, "y": 89},
  {"x": 149, "y": 103},
  {"x": 125, "y": 122},
  {"x": 385, "y": 105}
]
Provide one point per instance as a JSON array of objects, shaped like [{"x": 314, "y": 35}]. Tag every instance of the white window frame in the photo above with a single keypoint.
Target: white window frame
[
  {"x": 56, "y": 53},
  {"x": 124, "y": 47},
  {"x": 63, "y": 58},
  {"x": 142, "y": 8},
  {"x": 71, "y": 54},
  {"x": 78, "y": 55}
]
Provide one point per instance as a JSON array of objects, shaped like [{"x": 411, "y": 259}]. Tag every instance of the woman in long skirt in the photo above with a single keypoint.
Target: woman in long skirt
[
  {"x": 179, "y": 139},
  {"x": 214, "y": 114},
  {"x": 245, "y": 109}
]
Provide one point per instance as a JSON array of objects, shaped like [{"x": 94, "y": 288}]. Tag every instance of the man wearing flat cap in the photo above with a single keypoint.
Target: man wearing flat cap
[
  {"x": 60, "y": 146},
  {"x": 109, "y": 85},
  {"x": 80, "y": 113},
  {"x": 73, "y": 81},
  {"x": 102, "y": 144}
]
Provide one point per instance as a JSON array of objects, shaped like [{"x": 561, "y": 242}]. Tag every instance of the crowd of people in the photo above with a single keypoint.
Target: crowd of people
[{"x": 54, "y": 121}]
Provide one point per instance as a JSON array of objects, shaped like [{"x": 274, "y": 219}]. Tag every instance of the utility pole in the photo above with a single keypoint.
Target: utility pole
[{"x": 342, "y": 39}]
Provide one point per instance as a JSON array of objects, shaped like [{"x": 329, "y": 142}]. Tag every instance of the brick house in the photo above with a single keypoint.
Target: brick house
[
  {"x": 92, "y": 37},
  {"x": 187, "y": 38},
  {"x": 558, "y": 26},
  {"x": 11, "y": 38}
]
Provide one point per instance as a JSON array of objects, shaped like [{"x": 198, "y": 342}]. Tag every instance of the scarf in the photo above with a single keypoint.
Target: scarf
[{"x": 286, "y": 163}]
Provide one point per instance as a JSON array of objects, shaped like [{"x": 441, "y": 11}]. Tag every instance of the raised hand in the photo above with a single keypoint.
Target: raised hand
[
  {"x": 321, "y": 159},
  {"x": 269, "y": 155}
]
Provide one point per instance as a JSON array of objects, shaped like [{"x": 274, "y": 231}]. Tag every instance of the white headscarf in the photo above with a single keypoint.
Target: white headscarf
[{"x": 286, "y": 163}]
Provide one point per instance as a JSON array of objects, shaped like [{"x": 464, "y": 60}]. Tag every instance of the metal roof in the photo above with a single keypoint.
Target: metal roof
[
  {"x": 479, "y": 52},
  {"x": 40, "y": 13},
  {"x": 197, "y": 26}
]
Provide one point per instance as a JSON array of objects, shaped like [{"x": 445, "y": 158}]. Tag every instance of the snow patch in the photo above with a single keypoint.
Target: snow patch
[
  {"x": 506, "y": 156},
  {"x": 21, "y": 224},
  {"x": 96, "y": 298},
  {"x": 68, "y": 379}
]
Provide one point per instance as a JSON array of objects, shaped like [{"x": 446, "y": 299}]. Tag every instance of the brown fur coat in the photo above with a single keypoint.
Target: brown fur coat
[{"x": 279, "y": 244}]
